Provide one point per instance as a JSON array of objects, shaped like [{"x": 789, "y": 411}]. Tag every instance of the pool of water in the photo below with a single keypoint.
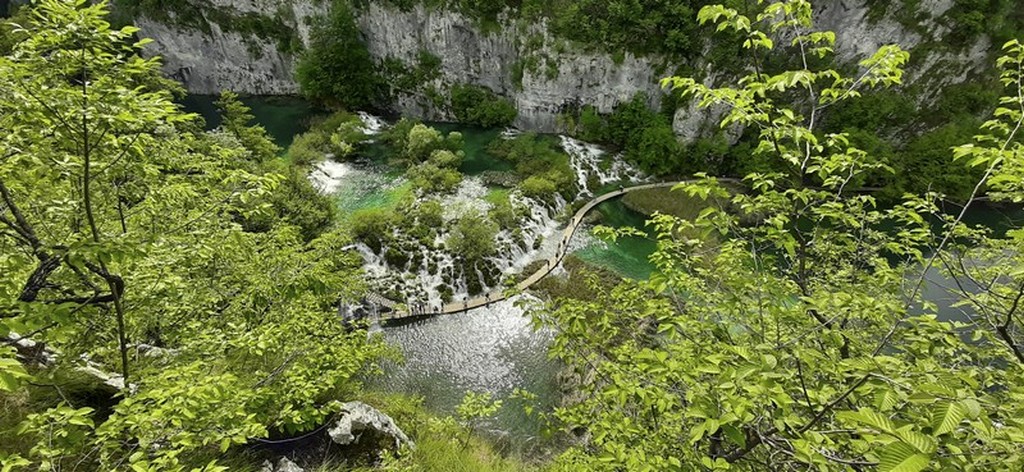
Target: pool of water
[
  {"x": 283, "y": 117},
  {"x": 492, "y": 349},
  {"x": 628, "y": 256}
]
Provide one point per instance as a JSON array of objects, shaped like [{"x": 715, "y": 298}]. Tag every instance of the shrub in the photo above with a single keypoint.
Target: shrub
[
  {"x": 429, "y": 178},
  {"x": 374, "y": 226},
  {"x": 538, "y": 187},
  {"x": 473, "y": 237},
  {"x": 479, "y": 106}
]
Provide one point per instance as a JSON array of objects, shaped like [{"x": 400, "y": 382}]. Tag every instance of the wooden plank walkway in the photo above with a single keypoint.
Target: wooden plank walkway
[{"x": 550, "y": 265}]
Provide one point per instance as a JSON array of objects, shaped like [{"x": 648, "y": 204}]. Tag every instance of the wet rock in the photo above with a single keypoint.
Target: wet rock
[{"x": 363, "y": 424}]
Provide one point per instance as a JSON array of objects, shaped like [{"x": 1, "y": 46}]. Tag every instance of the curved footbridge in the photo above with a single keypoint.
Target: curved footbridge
[{"x": 398, "y": 313}]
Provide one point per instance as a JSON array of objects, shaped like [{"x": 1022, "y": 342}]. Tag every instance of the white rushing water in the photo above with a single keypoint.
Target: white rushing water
[
  {"x": 328, "y": 175},
  {"x": 468, "y": 199},
  {"x": 372, "y": 125},
  {"x": 590, "y": 160}
]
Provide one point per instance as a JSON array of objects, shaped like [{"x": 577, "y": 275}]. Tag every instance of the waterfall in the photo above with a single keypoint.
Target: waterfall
[
  {"x": 429, "y": 275},
  {"x": 372, "y": 125},
  {"x": 588, "y": 160},
  {"x": 328, "y": 175},
  {"x": 540, "y": 222},
  {"x": 468, "y": 199}
]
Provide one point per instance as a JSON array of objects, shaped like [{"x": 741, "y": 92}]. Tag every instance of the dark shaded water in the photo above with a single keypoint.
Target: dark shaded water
[{"x": 283, "y": 117}]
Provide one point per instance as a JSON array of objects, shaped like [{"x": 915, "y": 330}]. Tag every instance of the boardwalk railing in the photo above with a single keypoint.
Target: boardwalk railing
[{"x": 549, "y": 265}]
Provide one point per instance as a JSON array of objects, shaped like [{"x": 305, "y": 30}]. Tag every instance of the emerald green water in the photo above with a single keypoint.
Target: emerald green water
[
  {"x": 627, "y": 256},
  {"x": 476, "y": 140}
]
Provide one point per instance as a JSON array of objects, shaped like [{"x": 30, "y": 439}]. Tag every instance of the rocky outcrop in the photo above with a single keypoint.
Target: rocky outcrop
[
  {"x": 283, "y": 465},
  {"x": 209, "y": 63},
  {"x": 360, "y": 423}
]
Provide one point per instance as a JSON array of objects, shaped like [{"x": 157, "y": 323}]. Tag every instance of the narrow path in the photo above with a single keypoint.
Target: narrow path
[{"x": 549, "y": 265}]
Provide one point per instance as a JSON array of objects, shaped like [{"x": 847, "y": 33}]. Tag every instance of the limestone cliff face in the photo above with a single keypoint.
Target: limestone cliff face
[
  {"x": 563, "y": 76},
  {"x": 470, "y": 56},
  {"x": 208, "y": 63}
]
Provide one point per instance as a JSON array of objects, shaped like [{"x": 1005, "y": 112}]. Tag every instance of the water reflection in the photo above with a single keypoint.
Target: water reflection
[{"x": 491, "y": 349}]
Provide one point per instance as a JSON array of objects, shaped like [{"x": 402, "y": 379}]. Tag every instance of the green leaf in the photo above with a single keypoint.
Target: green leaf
[
  {"x": 946, "y": 417},
  {"x": 735, "y": 435},
  {"x": 902, "y": 457},
  {"x": 921, "y": 442},
  {"x": 868, "y": 417}
]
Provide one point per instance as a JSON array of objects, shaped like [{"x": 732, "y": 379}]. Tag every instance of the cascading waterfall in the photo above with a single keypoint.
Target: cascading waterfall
[
  {"x": 372, "y": 125},
  {"x": 423, "y": 275},
  {"x": 328, "y": 175},
  {"x": 539, "y": 226},
  {"x": 588, "y": 159}
]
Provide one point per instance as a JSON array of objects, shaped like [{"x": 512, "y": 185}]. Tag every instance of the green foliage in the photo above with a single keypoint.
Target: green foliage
[
  {"x": 473, "y": 238},
  {"x": 418, "y": 143},
  {"x": 339, "y": 134},
  {"x": 119, "y": 231},
  {"x": 296, "y": 202},
  {"x": 546, "y": 170},
  {"x": 479, "y": 106},
  {"x": 474, "y": 408},
  {"x": 374, "y": 226},
  {"x": 798, "y": 337},
  {"x": 431, "y": 178},
  {"x": 644, "y": 136},
  {"x": 403, "y": 79},
  {"x": 440, "y": 444},
  {"x": 439, "y": 174},
  {"x": 237, "y": 120},
  {"x": 538, "y": 187},
  {"x": 337, "y": 68}
]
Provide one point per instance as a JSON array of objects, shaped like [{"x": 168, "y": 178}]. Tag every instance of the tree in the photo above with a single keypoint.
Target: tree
[
  {"x": 797, "y": 336},
  {"x": 237, "y": 120},
  {"x": 120, "y": 252},
  {"x": 338, "y": 68},
  {"x": 473, "y": 237},
  {"x": 481, "y": 107}
]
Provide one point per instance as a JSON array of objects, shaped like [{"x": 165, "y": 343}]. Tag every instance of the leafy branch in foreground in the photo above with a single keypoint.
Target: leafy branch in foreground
[
  {"x": 787, "y": 330},
  {"x": 121, "y": 250}
]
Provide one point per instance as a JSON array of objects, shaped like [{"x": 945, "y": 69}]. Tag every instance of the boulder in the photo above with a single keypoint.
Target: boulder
[
  {"x": 362, "y": 422},
  {"x": 283, "y": 465}
]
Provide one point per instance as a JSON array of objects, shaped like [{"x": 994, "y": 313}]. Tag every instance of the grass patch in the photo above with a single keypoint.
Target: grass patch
[
  {"x": 442, "y": 444},
  {"x": 585, "y": 281},
  {"x": 665, "y": 201},
  {"x": 497, "y": 196}
]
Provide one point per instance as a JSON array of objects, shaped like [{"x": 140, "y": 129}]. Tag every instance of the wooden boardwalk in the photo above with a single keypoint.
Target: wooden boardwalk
[{"x": 398, "y": 313}]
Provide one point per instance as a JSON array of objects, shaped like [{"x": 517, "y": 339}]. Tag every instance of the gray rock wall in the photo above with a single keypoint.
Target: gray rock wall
[
  {"x": 208, "y": 63},
  {"x": 470, "y": 56}
]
